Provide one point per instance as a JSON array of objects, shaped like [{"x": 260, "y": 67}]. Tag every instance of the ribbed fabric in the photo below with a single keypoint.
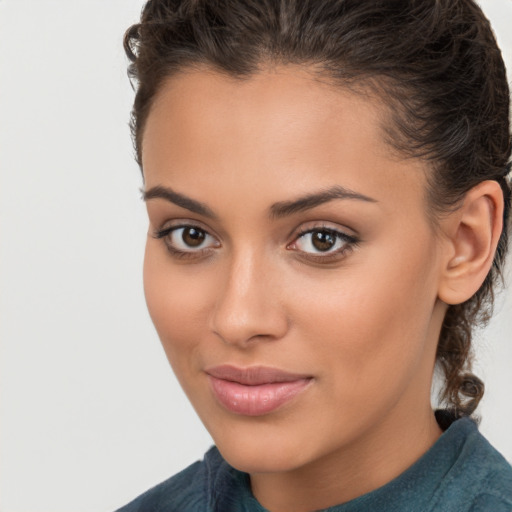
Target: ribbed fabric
[{"x": 462, "y": 472}]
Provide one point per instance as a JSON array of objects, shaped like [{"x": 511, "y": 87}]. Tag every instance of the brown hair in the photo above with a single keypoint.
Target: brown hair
[{"x": 435, "y": 63}]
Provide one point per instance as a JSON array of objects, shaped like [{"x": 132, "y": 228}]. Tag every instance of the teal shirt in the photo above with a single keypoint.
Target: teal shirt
[{"x": 462, "y": 472}]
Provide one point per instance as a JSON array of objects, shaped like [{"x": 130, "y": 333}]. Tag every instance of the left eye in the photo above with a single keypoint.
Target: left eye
[{"x": 318, "y": 241}]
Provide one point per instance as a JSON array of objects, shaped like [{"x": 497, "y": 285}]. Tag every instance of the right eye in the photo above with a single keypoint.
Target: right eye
[{"x": 187, "y": 240}]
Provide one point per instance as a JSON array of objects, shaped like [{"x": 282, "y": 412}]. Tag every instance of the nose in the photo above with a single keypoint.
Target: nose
[{"x": 249, "y": 304}]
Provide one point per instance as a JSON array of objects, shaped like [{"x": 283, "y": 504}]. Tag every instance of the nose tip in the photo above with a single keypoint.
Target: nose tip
[
  {"x": 248, "y": 308},
  {"x": 240, "y": 328}
]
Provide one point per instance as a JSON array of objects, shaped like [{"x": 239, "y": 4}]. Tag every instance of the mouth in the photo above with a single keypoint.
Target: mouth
[{"x": 254, "y": 391}]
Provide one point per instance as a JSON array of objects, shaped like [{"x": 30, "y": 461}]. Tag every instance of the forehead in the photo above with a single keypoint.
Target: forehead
[
  {"x": 283, "y": 124},
  {"x": 290, "y": 100}
]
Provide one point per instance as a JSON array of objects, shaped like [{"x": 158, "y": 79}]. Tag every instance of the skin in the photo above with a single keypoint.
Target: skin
[{"x": 362, "y": 324}]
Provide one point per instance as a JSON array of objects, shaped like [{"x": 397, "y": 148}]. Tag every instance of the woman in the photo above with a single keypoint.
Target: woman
[{"x": 328, "y": 193}]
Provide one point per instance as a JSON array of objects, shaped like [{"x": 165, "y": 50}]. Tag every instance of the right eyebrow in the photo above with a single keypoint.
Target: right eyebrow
[{"x": 160, "y": 192}]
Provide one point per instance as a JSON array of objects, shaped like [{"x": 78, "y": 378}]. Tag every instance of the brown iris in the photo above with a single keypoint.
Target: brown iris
[
  {"x": 323, "y": 240},
  {"x": 193, "y": 237}
]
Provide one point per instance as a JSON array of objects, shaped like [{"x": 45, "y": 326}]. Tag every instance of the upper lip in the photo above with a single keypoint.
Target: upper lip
[{"x": 253, "y": 375}]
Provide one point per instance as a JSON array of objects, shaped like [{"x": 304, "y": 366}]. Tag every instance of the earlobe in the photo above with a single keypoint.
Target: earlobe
[{"x": 472, "y": 234}]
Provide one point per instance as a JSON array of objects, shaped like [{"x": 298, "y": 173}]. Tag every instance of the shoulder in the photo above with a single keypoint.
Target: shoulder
[
  {"x": 187, "y": 490},
  {"x": 480, "y": 477}
]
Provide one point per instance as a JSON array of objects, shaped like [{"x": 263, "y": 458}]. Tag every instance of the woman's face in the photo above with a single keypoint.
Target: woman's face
[{"x": 291, "y": 270}]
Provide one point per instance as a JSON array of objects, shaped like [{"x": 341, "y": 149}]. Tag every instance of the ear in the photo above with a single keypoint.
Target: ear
[{"x": 472, "y": 233}]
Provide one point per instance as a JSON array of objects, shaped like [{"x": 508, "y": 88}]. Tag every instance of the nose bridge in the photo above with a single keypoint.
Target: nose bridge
[{"x": 247, "y": 305}]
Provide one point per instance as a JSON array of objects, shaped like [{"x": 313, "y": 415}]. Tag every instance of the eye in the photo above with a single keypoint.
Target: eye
[
  {"x": 323, "y": 242},
  {"x": 187, "y": 240}
]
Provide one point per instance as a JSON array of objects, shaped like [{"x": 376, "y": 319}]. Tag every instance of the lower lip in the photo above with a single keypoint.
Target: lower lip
[{"x": 255, "y": 400}]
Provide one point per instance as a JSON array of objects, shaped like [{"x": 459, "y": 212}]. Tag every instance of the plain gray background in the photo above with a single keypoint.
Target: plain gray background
[{"x": 90, "y": 412}]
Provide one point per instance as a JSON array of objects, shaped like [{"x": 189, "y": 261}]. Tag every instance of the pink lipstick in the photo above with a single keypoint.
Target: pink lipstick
[{"x": 254, "y": 391}]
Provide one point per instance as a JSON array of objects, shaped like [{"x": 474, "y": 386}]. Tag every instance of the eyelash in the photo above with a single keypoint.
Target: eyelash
[{"x": 349, "y": 243}]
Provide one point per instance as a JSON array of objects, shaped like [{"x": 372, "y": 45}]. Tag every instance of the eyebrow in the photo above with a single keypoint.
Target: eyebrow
[
  {"x": 285, "y": 208},
  {"x": 277, "y": 210},
  {"x": 178, "y": 199}
]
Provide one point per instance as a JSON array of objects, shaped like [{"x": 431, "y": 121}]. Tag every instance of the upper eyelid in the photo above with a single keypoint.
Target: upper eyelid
[
  {"x": 185, "y": 223},
  {"x": 309, "y": 227},
  {"x": 169, "y": 229},
  {"x": 305, "y": 231}
]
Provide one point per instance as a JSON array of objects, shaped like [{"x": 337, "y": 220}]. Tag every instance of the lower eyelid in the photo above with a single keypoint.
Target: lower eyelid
[{"x": 330, "y": 257}]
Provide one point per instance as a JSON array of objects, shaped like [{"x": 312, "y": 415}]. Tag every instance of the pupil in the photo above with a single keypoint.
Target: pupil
[
  {"x": 323, "y": 240},
  {"x": 193, "y": 237}
]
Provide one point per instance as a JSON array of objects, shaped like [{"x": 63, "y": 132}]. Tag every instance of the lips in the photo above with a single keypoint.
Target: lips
[{"x": 254, "y": 391}]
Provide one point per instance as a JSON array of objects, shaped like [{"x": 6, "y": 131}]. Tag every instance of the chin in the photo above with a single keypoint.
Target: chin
[
  {"x": 257, "y": 459},
  {"x": 262, "y": 448}
]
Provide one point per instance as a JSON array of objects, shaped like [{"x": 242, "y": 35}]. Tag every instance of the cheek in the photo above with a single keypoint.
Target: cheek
[
  {"x": 176, "y": 301},
  {"x": 370, "y": 323}
]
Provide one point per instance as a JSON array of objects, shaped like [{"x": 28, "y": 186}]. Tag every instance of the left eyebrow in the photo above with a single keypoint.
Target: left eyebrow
[{"x": 285, "y": 208}]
